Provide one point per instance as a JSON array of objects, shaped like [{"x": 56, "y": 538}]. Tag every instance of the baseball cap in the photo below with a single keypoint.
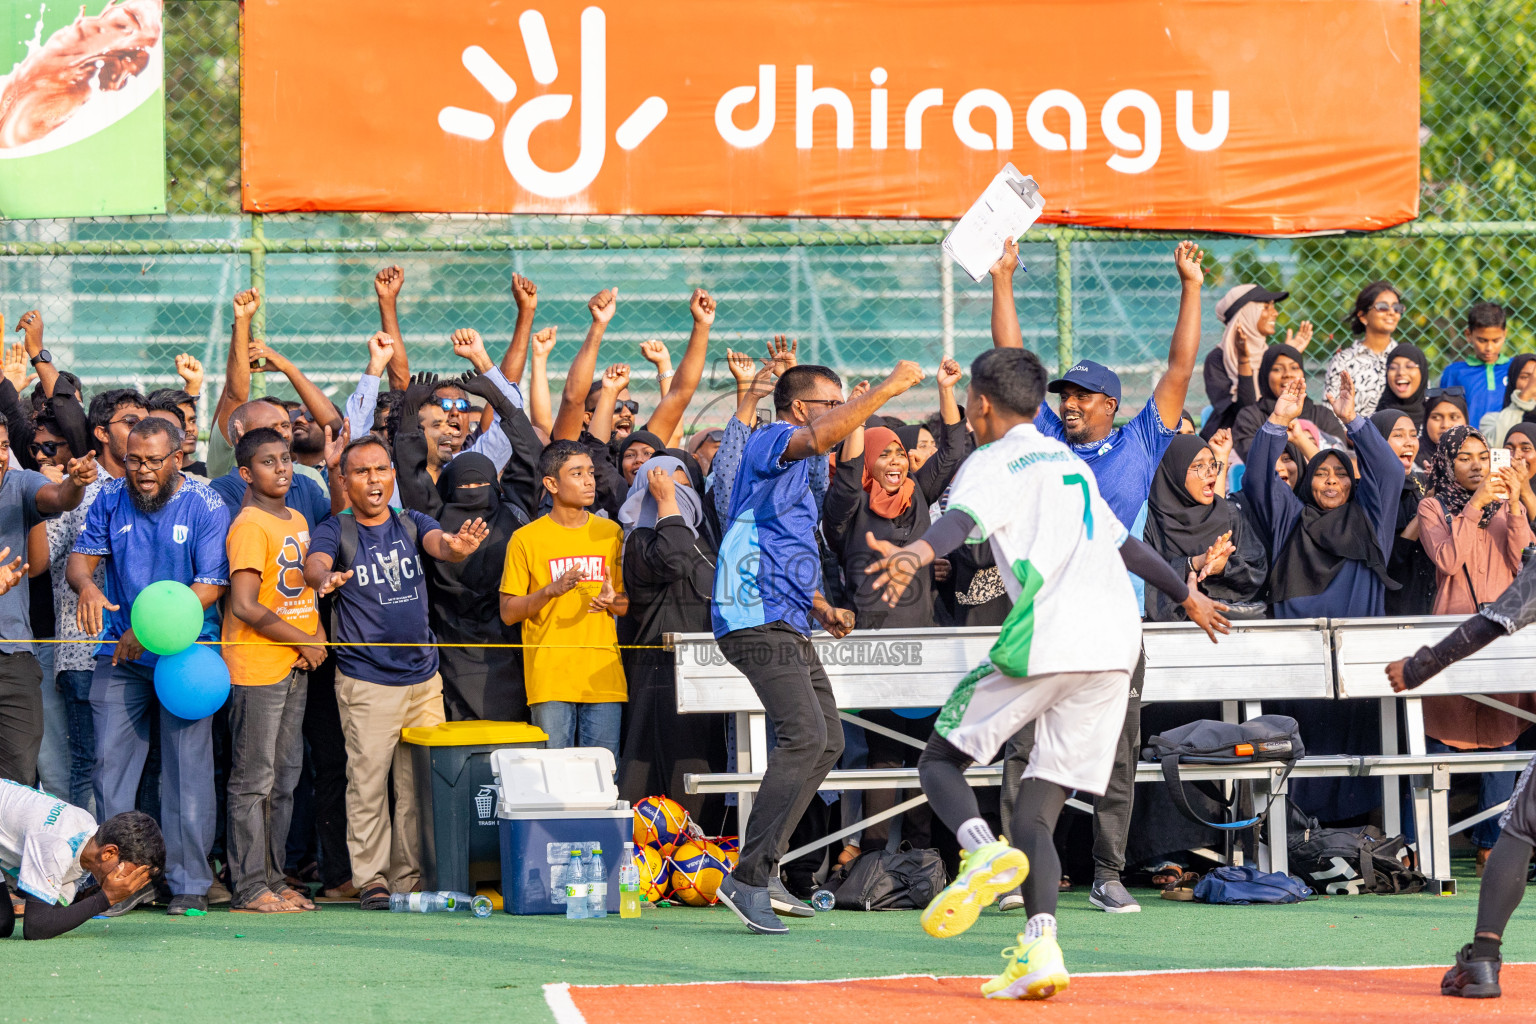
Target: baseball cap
[
  {"x": 1090, "y": 376},
  {"x": 1240, "y": 295}
]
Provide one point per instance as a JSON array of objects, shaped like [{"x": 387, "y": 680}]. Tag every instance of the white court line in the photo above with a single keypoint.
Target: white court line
[
  {"x": 565, "y": 988},
  {"x": 558, "y": 996}
]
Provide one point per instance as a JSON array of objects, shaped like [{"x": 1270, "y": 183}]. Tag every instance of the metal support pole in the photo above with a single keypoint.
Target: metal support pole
[
  {"x": 1064, "y": 358},
  {"x": 259, "y": 282},
  {"x": 947, "y": 304}
]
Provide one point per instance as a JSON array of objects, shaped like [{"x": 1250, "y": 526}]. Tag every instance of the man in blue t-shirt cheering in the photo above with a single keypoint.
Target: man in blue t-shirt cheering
[
  {"x": 766, "y": 594},
  {"x": 1124, "y": 460},
  {"x": 152, "y": 524},
  {"x": 372, "y": 557}
]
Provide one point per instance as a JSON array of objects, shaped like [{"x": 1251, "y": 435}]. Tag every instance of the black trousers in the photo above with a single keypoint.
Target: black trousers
[
  {"x": 787, "y": 676},
  {"x": 328, "y": 765},
  {"x": 21, "y": 717},
  {"x": 1112, "y": 811}
]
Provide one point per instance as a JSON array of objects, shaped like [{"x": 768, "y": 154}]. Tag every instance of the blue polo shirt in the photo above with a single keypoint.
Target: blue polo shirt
[
  {"x": 769, "y": 566},
  {"x": 305, "y": 496},
  {"x": 1124, "y": 462},
  {"x": 184, "y": 541}
]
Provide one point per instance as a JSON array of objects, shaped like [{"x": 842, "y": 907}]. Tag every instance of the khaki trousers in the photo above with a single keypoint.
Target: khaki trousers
[{"x": 372, "y": 716}]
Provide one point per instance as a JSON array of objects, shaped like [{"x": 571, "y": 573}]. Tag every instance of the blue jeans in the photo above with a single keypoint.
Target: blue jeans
[
  {"x": 579, "y": 725},
  {"x": 53, "y": 755},
  {"x": 123, "y": 703},
  {"x": 75, "y": 687},
  {"x": 1494, "y": 789}
]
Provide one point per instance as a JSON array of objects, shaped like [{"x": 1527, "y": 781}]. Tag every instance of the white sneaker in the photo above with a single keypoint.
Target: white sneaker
[{"x": 1109, "y": 895}]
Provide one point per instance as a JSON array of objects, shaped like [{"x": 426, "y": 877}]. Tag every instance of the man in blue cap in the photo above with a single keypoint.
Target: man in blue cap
[{"x": 1124, "y": 460}]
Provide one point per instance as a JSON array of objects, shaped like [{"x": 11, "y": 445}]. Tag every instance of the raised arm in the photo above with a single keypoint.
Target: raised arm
[
  {"x": 540, "y": 412},
  {"x": 664, "y": 422},
  {"x": 615, "y": 380},
  {"x": 237, "y": 367},
  {"x": 934, "y": 475},
  {"x": 31, "y": 323},
  {"x": 1173, "y": 388},
  {"x": 819, "y": 435},
  {"x": 313, "y": 398},
  {"x": 1381, "y": 472},
  {"x": 1005, "y": 316},
  {"x": 526, "y": 294},
  {"x": 1275, "y": 505},
  {"x": 386, "y": 286},
  {"x": 66, "y": 494},
  {"x": 365, "y": 397},
  {"x": 573, "y": 398}
]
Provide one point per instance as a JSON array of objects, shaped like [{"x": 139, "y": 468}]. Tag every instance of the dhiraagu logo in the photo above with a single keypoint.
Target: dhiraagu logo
[{"x": 502, "y": 88}]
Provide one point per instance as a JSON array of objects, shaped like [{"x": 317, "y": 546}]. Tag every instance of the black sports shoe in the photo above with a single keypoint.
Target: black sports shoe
[
  {"x": 127, "y": 903},
  {"x": 1472, "y": 979},
  {"x": 784, "y": 902},
  {"x": 751, "y": 904},
  {"x": 185, "y": 901}
]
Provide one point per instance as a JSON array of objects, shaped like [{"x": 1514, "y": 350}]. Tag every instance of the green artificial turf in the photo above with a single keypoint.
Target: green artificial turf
[{"x": 340, "y": 965}]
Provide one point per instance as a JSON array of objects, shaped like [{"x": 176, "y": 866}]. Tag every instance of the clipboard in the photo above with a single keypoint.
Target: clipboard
[{"x": 1007, "y": 207}]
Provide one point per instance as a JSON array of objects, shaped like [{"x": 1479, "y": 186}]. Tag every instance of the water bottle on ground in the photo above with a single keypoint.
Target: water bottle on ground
[
  {"x": 439, "y": 903},
  {"x": 823, "y": 899},
  {"x": 629, "y": 884},
  {"x": 575, "y": 888},
  {"x": 597, "y": 886}
]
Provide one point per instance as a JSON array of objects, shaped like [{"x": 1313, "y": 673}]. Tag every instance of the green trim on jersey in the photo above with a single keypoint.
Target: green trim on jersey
[
  {"x": 959, "y": 700},
  {"x": 1011, "y": 652}
]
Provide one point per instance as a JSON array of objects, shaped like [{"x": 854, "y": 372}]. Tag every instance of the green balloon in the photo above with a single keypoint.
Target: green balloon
[{"x": 167, "y": 617}]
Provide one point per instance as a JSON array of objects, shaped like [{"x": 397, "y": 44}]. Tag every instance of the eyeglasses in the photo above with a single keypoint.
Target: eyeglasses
[
  {"x": 48, "y": 448},
  {"x": 831, "y": 403},
  {"x": 452, "y": 404},
  {"x": 1207, "y": 468},
  {"x": 1434, "y": 393},
  {"x": 134, "y": 463},
  {"x": 131, "y": 421},
  {"x": 628, "y": 403},
  {"x": 1390, "y": 307}
]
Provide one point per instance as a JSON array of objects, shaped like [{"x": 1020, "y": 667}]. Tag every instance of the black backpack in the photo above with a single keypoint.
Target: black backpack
[
  {"x": 880, "y": 880},
  {"x": 1265, "y": 738},
  {"x": 1350, "y": 861}
]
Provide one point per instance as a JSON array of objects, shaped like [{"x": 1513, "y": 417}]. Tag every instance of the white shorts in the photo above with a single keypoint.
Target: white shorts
[{"x": 1078, "y": 719}]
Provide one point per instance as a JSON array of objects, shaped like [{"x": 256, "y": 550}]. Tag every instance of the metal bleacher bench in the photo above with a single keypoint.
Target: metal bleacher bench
[
  {"x": 1298, "y": 659},
  {"x": 916, "y": 668}
]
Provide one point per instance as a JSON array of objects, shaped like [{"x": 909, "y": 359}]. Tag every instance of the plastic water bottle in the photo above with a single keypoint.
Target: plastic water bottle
[
  {"x": 439, "y": 903},
  {"x": 629, "y": 884},
  {"x": 597, "y": 886},
  {"x": 823, "y": 899},
  {"x": 575, "y": 889}
]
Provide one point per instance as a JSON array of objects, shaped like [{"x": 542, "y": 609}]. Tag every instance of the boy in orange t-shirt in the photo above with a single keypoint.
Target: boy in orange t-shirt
[{"x": 272, "y": 613}]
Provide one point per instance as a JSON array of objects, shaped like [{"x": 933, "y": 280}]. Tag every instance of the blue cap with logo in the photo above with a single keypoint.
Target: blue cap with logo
[{"x": 1090, "y": 376}]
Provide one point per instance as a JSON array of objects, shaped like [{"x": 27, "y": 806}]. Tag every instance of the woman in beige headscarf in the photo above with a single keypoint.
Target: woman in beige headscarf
[{"x": 1250, "y": 318}]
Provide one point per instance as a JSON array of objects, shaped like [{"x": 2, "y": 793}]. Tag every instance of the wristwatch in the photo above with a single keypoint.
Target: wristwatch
[{"x": 42, "y": 357}]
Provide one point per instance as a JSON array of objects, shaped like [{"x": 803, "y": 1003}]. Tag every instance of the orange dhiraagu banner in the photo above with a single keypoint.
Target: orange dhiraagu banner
[{"x": 1255, "y": 116}]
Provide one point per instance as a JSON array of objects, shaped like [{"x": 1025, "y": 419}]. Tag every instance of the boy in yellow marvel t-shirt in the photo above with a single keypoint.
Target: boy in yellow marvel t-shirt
[{"x": 563, "y": 583}]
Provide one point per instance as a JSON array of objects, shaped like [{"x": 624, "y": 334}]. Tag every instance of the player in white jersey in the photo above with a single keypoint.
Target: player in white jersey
[
  {"x": 1063, "y": 659},
  {"x": 47, "y": 846}
]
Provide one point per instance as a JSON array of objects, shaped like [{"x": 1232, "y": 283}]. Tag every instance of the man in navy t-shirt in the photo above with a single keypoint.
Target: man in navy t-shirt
[
  {"x": 1123, "y": 460},
  {"x": 381, "y": 598},
  {"x": 765, "y": 597},
  {"x": 152, "y": 524}
]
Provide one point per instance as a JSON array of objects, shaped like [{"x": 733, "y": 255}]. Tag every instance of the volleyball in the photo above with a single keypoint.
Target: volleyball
[
  {"x": 697, "y": 871},
  {"x": 660, "y": 823}
]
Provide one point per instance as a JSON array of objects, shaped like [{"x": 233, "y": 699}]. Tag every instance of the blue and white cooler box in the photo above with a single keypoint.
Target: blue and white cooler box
[{"x": 549, "y": 802}]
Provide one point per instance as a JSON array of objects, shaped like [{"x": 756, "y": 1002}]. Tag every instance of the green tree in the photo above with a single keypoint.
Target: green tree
[{"x": 202, "y": 106}]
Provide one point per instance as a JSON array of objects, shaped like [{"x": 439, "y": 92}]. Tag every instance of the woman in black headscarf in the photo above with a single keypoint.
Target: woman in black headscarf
[
  {"x": 1407, "y": 563},
  {"x": 1407, "y": 382},
  {"x": 1519, "y": 400},
  {"x": 1443, "y": 409},
  {"x": 669, "y": 574},
  {"x": 1281, "y": 363},
  {"x": 478, "y": 682},
  {"x": 1197, "y": 530}
]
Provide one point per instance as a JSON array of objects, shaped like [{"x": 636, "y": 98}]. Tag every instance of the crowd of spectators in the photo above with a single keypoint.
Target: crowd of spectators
[{"x": 479, "y": 547}]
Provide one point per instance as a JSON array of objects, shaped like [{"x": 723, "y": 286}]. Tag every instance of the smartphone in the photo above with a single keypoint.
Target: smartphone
[{"x": 1500, "y": 458}]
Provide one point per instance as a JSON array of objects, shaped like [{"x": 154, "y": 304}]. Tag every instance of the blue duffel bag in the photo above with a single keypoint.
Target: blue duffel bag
[{"x": 1245, "y": 885}]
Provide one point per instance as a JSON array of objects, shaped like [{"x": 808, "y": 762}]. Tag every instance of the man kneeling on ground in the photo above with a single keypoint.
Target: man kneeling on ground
[{"x": 49, "y": 845}]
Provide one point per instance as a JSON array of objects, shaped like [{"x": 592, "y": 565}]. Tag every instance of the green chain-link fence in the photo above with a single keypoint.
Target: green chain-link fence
[{"x": 122, "y": 296}]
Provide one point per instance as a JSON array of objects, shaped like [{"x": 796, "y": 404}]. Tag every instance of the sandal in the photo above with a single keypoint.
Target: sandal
[
  {"x": 1167, "y": 875},
  {"x": 296, "y": 897},
  {"x": 375, "y": 897},
  {"x": 265, "y": 902}
]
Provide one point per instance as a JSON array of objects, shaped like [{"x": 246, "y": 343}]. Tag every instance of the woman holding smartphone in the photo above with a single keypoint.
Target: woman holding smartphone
[{"x": 1474, "y": 527}]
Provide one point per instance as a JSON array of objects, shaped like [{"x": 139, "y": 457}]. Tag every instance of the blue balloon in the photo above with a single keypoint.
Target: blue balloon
[{"x": 193, "y": 684}]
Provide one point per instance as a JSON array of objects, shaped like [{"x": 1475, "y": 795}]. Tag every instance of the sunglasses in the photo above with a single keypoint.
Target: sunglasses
[
  {"x": 48, "y": 448},
  {"x": 452, "y": 404},
  {"x": 1390, "y": 307},
  {"x": 1434, "y": 393},
  {"x": 630, "y": 404}
]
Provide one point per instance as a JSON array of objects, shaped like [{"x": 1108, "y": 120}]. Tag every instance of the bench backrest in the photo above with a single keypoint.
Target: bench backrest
[{"x": 1364, "y": 648}]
